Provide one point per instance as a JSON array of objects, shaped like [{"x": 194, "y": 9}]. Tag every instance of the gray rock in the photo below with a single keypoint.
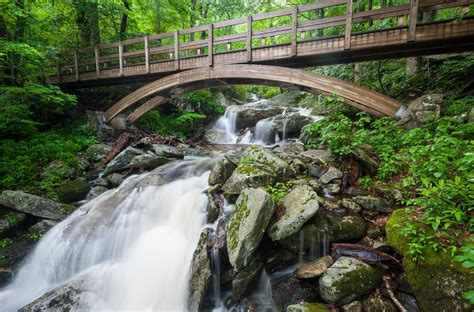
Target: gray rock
[
  {"x": 179, "y": 151},
  {"x": 115, "y": 179},
  {"x": 247, "y": 224},
  {"x": 290, "y": 148},
  {"x": 316, "y": 171},
  {"x": 301, "y": 204},
  {"x": 351, "y": 205},
  {"x": 315, "y": 268},
  {"x": 331, "y": 174},
  {"x": 248, "y": 116},
  {"x": 100, "y": 182},
  {"x": 293, "y": 290},
  {"x": 42, "y": 226},
  {"x": 318, "y": 156},
  {"x": 212, "y": 209},
  {"x": 307, "y": 307},
  {"x": 73, "y": 191},
  {"x": 221, "y": 172},
  {"x": 75, "y": 295},
  {"x": 331, "y": 189},
  {"x": 244, "y": 278},
  {"x": 373, "y": 203},
  {"x": 147, "y": 161},
  {"x": 369, "y": 165},
  {"x": 96, "y": 152},
  {"x": 348, "y": 279},
  {"x": 200, "y": 274},
  {"x": 422, "y": 109},
  {"x": 122, "y": 160},
  {"x": 58, "y": 168},
  {"x": 33, "y": 205},
  {"x": 96, "y": 191},
  {"x": 215, "y": 136},
  {"x": 257, "y": 168},
  {"x": 378, "y": 304}
]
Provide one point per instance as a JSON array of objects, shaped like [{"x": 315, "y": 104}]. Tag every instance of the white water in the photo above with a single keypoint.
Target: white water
[
  {"x": 133, "y": 245},
  {"x": 227, "y": 124}
]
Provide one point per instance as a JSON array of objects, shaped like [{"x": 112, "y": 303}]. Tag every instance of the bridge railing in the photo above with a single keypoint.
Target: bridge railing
[{"x": 317, "y": 21}]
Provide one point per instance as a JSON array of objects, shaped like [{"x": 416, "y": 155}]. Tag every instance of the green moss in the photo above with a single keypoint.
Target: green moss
[
  {"x": 241, "y": 211},
  {"x": 248, "y": 169},
  {"x": 308, "y": 307}
]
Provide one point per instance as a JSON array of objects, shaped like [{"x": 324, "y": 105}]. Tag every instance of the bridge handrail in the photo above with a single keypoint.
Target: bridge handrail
[{"x": 96, "y": 58}]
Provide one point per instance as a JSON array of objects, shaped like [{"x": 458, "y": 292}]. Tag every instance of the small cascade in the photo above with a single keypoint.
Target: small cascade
[
  {"x": 227, "y": 123},
  {"x": 264, "y": 133},
  {"x": 313, "y": 247}
]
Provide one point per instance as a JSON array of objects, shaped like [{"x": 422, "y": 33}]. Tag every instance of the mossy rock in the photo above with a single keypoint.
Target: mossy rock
[
  {"x": 438, "y": 281},
  {"x": 73, "y": 191},
  {"x": 308, "y": 307}
]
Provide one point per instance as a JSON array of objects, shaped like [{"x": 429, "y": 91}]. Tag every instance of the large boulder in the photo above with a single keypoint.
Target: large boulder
[
  {"x": 33, "y": 205},
  {"x": 300, "y": 204},
  {"x": 178, "y": 151},
  {"x": 331, "y": 174},
  {"x": 243, "y": 279},
  {"x": 421, "y": 110},
  {"x": 249, "y": 115},
  {"x": 247, "y": 224},
  {"x": 73, "y": 191},
  {"x": 348, "y": 279},
  {"x": 133, "y": 158},
  {"x": 75, "y": 295},
  {"x": 221, "y": 172},
  {"x": 200, "y": 274},
  {"x": 307, "y": 307},
  {"x": 438, "y": 281},
  {"x": 257, "y": 168},
  {"x": 42, "y": 227}
]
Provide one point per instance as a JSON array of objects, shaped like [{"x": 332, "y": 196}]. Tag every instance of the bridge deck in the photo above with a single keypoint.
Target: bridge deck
[{"x": 303, "y": 43}]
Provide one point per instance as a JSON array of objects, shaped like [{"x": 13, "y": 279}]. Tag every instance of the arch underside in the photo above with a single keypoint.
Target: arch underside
[{"x": 174, "y": 85}]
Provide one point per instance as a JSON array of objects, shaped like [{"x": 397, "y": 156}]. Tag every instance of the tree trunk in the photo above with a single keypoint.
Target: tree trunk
[
  {"x": 123, "y": 22},
  {"x": 413, "y": 64},
  {"x": 87, "y": 19}
]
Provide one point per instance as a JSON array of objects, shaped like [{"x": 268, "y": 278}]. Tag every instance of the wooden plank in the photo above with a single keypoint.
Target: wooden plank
[
  {"x": 322, "y": 23},
  {"x": 121, "y": 58},
  {"x": 320, "y": 5},
  {"x": 76, "y": 65},
  {"x": 294, "y": 29},
  {"x": 162, "y": 35},
  {"x": 348, "y": 30},
  {"x": 232, "y": 22},
  {"x": 262, "y": 16},
  {"x": 249, "y": 39},
  {"x": 132, "y": 41},
  {"x": 273, "y": 31},
  {"x": 230, "y": 38},
  {"x": 210, "y": 48},
  {"x": 412, "y": 20},
  {"x": 176, "y": 50},
  {"x": 432, "y": 6},
  {"x": 193, "y": 30},
  {"x": 97, "y": 67},
  {"x": 108, "y": 45},
  {"x": 193, "y": 44},
  {"x": 147, "y": 54},
  {"x": 380, "y": 13}
]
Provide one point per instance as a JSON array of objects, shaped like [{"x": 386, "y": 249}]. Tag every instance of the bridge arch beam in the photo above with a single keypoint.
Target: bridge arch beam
[{"x": 170, "y": 86}]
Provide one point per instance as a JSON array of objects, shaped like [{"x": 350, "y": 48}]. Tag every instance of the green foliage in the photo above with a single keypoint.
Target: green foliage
[
  {"x": 366, "y": 182},
  {"x": 278, "y": 191},
  {"x": 25, "y": 60},
  {"x": 5, "y": 242},
  {"x": 11, "y": 219},
  {"x": 432, "y": 166},
  {"x": 24, "y": 109},
  {"x": 456, "y": 107},
  {"x": 179, "y": 124},
  {"x": 22, "y": 161},
  {"x": 35, "y": 236},
  {"x": 467, "y": 259}
]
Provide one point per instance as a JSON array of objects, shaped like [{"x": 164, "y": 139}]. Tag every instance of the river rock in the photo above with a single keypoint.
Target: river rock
[
  {"x": 147, "y": 161},
  {"x": 96, "y": 152},
  {"x": 422, "y": 109},
  {"x": 368, "y": 164},
  {"x": 257, "y": 168},
  {"x": 348, "y": 279},
  {"x": 247, "y": 224},
  {"x": 200, "y": 274},
  {"x": 249, "y": 115},
  {"x": 331, "y": 174},
  {"x": 378, "y": 304},
  {"x": 115, "y": 179},
  {"x": 179, "y": 151},
  {"x": 438, "y": 281},
  {"x": 73, "y": 191},
  {"x": 122, "y": 160},
  {"x": 351, "y": 205},
  {"x": 315, "y": 268},
  {"x": 96, "y": 191},
  {"x": 373, "y": 203},
  {"x": 42, "y": 226},
  {"x": 244, "y": 278},
  {"x": 318, "y": 157},
  {"x": 75, "y": 295},
  {"x": 215, "y": 136},
  {"x": 293, "y": 290},
  {"x": 300, "y": 204},
  {"x": 221, "y": 172},
  {"x": 307, "y": 307},
  {"x": 33, "y": 205},
  {"x": 331, "y": 189}
]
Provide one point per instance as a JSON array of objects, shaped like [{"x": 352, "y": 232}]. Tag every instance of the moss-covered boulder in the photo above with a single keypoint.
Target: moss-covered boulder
[
  {"x": 200, "y": 274},
  {"x": 257, "y": 168},
  {"x": 300, "y": 204},
  {"x": 221, "y": 172},
  {"x": 33, "y": 205},
  {"x": 73, "y": 191},
  {"x": 372, "y": 203},
  {"x": 247, "y": 224},
  {"x": 96, "y": 152},
  {"x": 348, "y": 279},
  {"x": 308, "y": 307},
  {"x": 437, "y": 282}
]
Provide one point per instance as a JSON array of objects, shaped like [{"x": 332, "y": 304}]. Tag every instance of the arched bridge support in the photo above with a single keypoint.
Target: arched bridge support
[{"x": 170, "y": 86}]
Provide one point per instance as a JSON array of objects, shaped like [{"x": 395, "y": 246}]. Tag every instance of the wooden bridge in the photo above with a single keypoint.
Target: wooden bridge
[{"x": 301, "y": 39}]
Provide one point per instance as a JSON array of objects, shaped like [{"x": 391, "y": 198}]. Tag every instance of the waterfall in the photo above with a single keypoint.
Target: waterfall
[
  {"x": 227, "y": 123},
  {"x": 132, "y": 246},
  {"x": 264, "y": 132}
]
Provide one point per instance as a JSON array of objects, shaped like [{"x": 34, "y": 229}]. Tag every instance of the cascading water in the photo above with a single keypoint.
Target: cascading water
[
  {"x": 129, "y": 248},
  {"x": 227, "y": 124}
]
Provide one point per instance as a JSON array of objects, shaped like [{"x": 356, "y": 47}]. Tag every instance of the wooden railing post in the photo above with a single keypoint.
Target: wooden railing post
[
  {"x": 176, "y": 50},
  {"x": 210, "y": 47},
  {"x": 97, "y": 65},
  {"x": 121, "y": 58},
  {"x": 249, "y": 39},
  {"x": 412, "y": 20},
  {"x": 147, "y": 54},
  {"x": 294, "y": 29},
  {"x": 76, "y": 65},
  {"x": 348, "y": 30}
]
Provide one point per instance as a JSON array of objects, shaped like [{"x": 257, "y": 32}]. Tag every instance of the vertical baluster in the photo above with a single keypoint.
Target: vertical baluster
[
  {"x": 97, "y": 64},
  {"x": 294, "y": 29},
  {"x": 76, "y": 65},
  {"x": 412, "y": 20},
  {"x": 176, "y": 50},
  {"x": 121, "y": 58},
  {"x": 210, "y": 48},
  {"x": 348, "y": 30},
  {"x": 249, "y": 39},
  {"x": 147, "y": 54}
]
